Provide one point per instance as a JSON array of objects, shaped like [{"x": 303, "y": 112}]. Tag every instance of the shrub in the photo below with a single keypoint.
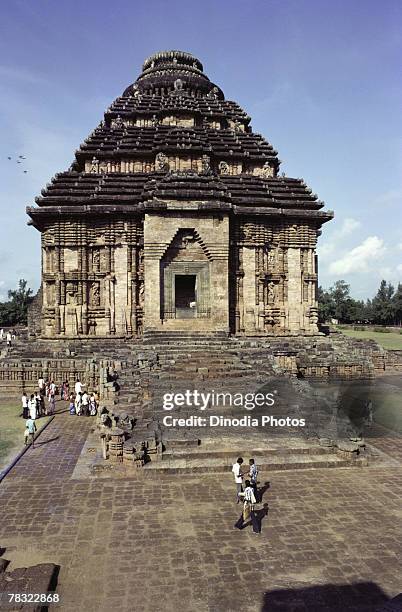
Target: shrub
[
  {"x": 359, "y": 328},
  {"x": 382, "y": 330}
]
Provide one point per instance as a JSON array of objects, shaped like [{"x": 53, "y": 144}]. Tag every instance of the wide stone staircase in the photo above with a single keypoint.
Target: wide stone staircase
[
  {"x": 144, "y": 371},
  {"x": 176, "y": 362}
]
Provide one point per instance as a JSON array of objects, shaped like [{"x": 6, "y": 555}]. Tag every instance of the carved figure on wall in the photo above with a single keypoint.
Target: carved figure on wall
[
  {"x": 271, "y": 258},
  {"x": 117, "y": 123},
  {"x": 95, "y": 294},
  {"x": 136, "y": 91},
  {"x": 271, "y": 293},
  {"x": 94, "y": 165},
  {"x": 267, "y": 170},
  {"x": 206, "y": 164},
  {"x": 224, "y": 167},
  {"x": 178, "y": 85},
  {"x": 213, "y": 93},
  {"x": 96, "y": 260},
  {"x": 154, "y": 121},
  {"x": 237, "y": 125},
  {"x": 161, "y": 162}
]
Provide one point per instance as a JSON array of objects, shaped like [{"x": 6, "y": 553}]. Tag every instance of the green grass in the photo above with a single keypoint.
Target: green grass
[
  {"x": 391, "y": 341},
  {"x": 12, "y": 428}
]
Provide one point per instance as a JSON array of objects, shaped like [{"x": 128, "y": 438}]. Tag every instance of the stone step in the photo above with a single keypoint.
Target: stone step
[
  {"x": 266, "y": 464},
  {"x": 259, "y": 454}
]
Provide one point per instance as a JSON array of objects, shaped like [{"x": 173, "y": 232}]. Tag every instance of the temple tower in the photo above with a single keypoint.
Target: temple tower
[{"x": 173, "y": 216}]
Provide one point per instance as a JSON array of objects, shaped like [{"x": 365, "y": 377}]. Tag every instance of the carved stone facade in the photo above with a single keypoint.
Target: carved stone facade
[
  {"x": 92, "y": 277},
  {"x": 173, "y": 216}
]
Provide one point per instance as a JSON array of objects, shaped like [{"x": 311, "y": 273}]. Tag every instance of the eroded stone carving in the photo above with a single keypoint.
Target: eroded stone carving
[
  {"x": 161, "y": 162},
  {"x": 224, "y": 167},
  {"x": 94, "y": 169},
  {"x": 267, "y": 170}
]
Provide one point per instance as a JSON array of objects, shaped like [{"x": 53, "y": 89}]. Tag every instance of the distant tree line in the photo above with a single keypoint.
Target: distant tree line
[
  {"x": 15, "y": 310},
  {"x": 385, "y": 308}
]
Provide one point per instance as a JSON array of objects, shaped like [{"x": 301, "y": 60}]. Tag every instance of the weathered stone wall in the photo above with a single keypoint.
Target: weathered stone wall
[
  {"x": 274, "y": 277},
  {"x": 92, "y": 278},
  {"x": 19, "y": 375}
]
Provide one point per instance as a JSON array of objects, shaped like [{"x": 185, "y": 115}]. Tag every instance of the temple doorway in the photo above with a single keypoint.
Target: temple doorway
[{"x": 185, "y": 289}]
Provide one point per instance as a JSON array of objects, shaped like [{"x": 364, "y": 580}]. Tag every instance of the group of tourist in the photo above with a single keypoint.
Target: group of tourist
[
  {"x": 82, "y": 402},
  {"x": 247, "y": 491},
  {"x": 40, "y": 403},
  {"x": 43, "y": 403},
  {"x": 8, "y": 335}
]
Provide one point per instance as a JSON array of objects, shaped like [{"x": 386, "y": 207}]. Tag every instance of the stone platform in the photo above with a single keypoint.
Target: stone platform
[{"x": 330, "y": 540}]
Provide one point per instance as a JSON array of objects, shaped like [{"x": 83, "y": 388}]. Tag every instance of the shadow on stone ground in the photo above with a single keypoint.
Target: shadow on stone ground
[{"x": 359, "y": 597}]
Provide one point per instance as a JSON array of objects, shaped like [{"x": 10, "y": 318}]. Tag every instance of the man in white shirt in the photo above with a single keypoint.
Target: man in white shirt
[
  {"x": 78, "y": 387},
  {"x": 25, "y": 405},
  {"x": 33, "y": 413},
  {"x": 238, "y": 476},
  {"x": 8, "y": 338}
]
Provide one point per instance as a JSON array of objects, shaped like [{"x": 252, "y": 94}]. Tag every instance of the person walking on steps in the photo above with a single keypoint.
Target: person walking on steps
[
  {"x": 253, "y": 473},
  {"x": 248, "y": 509},
  {"x": 238, "y": 476},
  {"x": 30, "y": 429}
]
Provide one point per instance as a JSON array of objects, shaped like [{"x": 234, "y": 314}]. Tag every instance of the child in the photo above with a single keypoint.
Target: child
[
  {"x": 72, "y": 405},
  {"x": 92, "y": 405}
]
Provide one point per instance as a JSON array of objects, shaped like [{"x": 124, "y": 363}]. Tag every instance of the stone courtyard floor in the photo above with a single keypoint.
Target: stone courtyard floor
[{"x": 331, "y": 539}]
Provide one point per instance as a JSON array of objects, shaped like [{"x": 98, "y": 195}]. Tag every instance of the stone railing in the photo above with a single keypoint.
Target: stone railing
[{"x": 21, "y": 375}]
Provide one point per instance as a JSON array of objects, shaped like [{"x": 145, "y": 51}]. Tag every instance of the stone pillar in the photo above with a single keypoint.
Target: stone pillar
[
  {"x": 249, "y": 290},
  {"x": 294, "y": 290}
]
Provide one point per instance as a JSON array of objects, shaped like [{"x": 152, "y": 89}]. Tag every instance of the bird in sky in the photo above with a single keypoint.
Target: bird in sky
[
  {"x": 8, "y": 157},
  {"x": 25, "y": 171},
  {"x": 18, "y": 161},
  {"x": 21, "y": 157}
]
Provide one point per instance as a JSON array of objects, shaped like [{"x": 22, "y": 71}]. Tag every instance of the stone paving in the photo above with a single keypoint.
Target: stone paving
[{"x": 331, "y": 539}]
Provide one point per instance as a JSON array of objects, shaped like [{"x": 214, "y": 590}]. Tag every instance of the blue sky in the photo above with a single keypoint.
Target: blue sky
[{"x": 321, "y": 80}]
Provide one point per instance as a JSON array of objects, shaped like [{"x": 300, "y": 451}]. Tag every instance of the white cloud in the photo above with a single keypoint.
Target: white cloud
[
  {"x": 348, "y": 226},
  {"x": 360, "y": 258},
  {"x": 399, "y": 268}
]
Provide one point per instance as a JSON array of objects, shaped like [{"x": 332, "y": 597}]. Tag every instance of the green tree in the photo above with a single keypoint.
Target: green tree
[
  {"x": 397, "y": 305},
  {"x": 383, "y": 304},
  {"x": 15, "y": 311},
  {"x": 326, "y": 305}
]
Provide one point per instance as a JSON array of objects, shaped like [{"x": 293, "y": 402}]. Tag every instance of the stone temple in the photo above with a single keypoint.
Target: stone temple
[{"x": 174, "y": 216}]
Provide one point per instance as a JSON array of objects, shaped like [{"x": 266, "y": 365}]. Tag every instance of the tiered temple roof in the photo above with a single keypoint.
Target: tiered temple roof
[{"x": 207, "y": 153}]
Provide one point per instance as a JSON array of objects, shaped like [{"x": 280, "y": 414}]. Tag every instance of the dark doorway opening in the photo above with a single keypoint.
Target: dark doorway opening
[{"x": 185, "y": 295}]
